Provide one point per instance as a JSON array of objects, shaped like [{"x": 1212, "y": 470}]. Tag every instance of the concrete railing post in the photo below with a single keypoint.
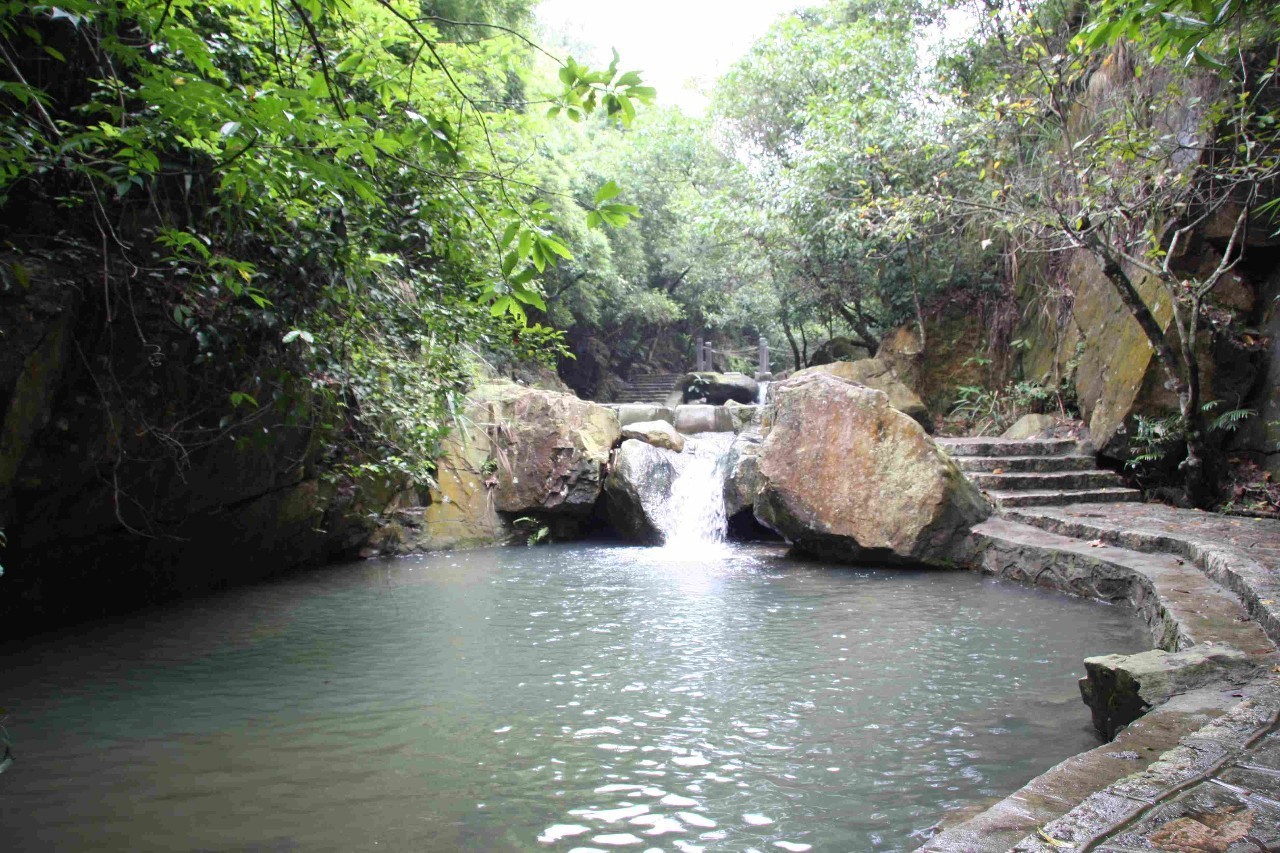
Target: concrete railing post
[
  {"x": 697, "y": 358},
  {"x": 764, "y": 356}
]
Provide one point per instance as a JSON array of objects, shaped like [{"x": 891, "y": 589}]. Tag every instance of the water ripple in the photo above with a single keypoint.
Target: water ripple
[{"x": 560, "y": 698}]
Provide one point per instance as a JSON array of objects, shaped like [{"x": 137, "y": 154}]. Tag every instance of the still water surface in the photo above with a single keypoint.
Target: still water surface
[{"x": 557, "y": 698}]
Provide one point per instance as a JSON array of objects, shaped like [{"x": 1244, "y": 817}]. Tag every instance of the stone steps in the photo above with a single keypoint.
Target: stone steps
[
  {"x": 651, "y": 388},
  {"x": 1046, "y": 480},
  {"x": 1093, "y": 795},
  {"x": 1035, "y": 472},
  {"x": 1012, "y": 498},
  {"x": 1005, "y": 447},
  {"x": 1012, "y": 464}
]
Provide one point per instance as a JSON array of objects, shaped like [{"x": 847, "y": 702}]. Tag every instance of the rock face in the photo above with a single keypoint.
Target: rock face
[
  {"x": 636, "y": 490},
  {"x": 937, "y": 371},
  {"x": 1030, "y": 426},
  {"x": 658, "y": 433},
  {"x": 461, "y": 511},
  {"x": 847, "y": 476},
  {"x": 1120, "y": 688},
  {"x": 877, "y": 374},
  {"x": 838, "y": 349},
  {"x": 551, "y": 449},
  {"x": 743, "y": 482},
  {"x": 719, "y": 388}
]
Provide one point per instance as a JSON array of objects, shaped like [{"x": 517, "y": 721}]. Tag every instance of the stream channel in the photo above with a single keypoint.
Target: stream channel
[{"x": 698, "y": 696}]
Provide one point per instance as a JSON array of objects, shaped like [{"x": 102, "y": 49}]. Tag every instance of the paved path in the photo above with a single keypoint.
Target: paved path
[
  {"x": 1207, "y": 762},
  {"x": 1242, "y": 554}
]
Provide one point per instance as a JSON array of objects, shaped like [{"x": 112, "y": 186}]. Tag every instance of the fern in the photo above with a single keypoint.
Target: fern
[{"x": 1230, "y": 421}]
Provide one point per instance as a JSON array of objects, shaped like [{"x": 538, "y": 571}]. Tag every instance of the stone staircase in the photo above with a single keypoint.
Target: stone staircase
[
  {"x": 1036, "y": 472},
  {"x": 652, "y": 388}
]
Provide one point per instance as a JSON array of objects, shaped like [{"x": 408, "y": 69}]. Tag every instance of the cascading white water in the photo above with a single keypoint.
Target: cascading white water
[
  {"x": 693, "y": 518},
  {"x": 763, "y": 395}
]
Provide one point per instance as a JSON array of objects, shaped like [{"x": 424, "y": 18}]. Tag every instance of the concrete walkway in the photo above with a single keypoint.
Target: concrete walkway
[
  {"x": 1242, "y": 554},
  {"x": 1200, "y": 772}
]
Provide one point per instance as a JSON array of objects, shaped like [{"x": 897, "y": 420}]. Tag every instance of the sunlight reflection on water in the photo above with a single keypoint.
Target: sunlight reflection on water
[{"x": 549, "y": 698}]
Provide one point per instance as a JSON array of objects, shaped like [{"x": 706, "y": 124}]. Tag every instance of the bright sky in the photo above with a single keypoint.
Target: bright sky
[{"x": 679, "y": 46}]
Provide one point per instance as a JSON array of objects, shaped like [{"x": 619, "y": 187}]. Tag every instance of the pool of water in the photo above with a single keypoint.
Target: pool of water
[{"x": 555, "y": 698}]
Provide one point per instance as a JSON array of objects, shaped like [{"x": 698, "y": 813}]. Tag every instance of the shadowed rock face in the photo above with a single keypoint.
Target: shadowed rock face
[
  {"x": 719, "y": 388},
  {"x": 845, "y": 475}
]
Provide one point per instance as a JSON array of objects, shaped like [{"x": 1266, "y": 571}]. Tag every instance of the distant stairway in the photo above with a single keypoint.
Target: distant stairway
[
  {"x": 654, "y": 388},
  {"x": 1036, "y": 472}
]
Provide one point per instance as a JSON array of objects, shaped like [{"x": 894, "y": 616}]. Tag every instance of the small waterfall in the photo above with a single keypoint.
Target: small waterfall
[
  {"x": 763, "y": 396},
  {"x": 694, "y": 516}
]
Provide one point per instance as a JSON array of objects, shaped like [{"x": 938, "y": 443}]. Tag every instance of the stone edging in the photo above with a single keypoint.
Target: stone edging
[
  {"x": 1230, "y": 567},
  {"x": 1197, "y": 757},
  {"x": 1092, "y": 795}
]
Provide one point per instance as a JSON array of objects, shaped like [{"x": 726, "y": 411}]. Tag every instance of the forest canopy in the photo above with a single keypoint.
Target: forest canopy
[{"x": 330, "y": 208}]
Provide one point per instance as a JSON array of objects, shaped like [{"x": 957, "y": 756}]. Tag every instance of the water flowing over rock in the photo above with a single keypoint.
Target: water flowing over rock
[
  {"x": 657, "y": 496},
  {"x": 877, "y": 374},
  {"x": 550, "y": 449},
  {"x": 846, "y": 475}
]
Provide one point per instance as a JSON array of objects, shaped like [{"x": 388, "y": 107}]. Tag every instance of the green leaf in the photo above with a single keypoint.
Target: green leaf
[
  {"x": 608, "y": 191},
  {"x": 550, "y": 245},
  {"x": 510, "y": 234}
]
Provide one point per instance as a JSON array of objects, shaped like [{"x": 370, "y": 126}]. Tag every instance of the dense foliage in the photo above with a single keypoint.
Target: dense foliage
[
  {"x": 320, "y": 207},
  {"x": 313, "y": 208}
]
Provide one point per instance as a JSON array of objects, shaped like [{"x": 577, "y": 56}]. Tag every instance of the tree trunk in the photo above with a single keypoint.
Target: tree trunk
[
  {"x": 1182, "y": 366},
  {"x": 1200, "y": 472},
  {"x": 791, "y": 339}
]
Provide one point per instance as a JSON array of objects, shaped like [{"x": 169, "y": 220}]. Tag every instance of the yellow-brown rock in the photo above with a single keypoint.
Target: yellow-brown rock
[
  {"x": 845, "y": 475},
  {"x": 549, "y": 449},
  {"x": 877, "y": 374}
]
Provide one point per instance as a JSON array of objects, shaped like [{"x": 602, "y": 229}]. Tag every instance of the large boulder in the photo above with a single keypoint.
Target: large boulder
[
  {"x": 846, "y": 475},
  {"x": 658, "y": 433},
  {"x": 718, "y": 388},
  {"x": 637, "y": 490},
  {"x": 549, "y": 449},
  {"x": 877, "y": 374}
]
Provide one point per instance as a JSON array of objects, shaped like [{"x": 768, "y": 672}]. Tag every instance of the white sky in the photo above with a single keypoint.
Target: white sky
[{"x": 679, "y": 46}]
